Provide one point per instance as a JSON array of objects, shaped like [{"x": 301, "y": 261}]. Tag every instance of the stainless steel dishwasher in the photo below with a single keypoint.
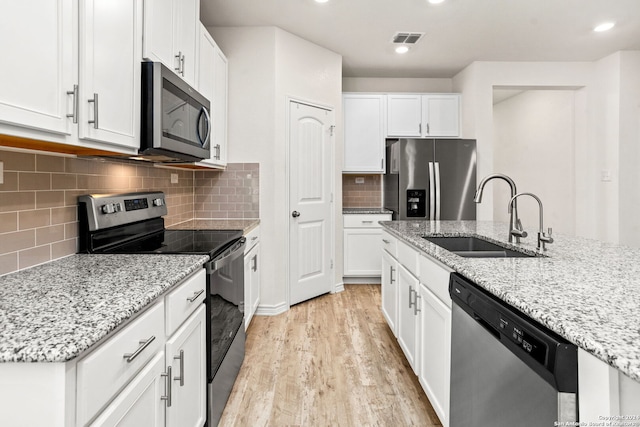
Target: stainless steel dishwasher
[{"x": 506, "y": 369}]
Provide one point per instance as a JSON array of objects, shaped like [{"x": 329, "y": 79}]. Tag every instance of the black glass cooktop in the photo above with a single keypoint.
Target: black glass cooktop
[{"x": 209, "y": 242}]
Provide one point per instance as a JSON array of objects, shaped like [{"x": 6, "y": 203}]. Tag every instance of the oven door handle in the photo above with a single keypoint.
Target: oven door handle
[{"x": 236, "y": 251}]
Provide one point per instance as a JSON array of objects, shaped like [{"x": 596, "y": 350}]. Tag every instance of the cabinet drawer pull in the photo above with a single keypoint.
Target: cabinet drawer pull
[
  {"x": 167, "y": 398},
  {"x": 386, "y": 241},
  {"x": 181, "y": 376},
  {"x": 255, "y": 263},
  {"x": 391, "y": 270},
  {"x": 195, "y": 296},
  {"x": 416, "y": 310},
  {"x": 178, "y": 57},
  {"x": 143, "y": 344}
]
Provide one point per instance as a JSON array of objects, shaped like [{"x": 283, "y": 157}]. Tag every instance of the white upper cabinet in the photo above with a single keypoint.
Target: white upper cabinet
[
  {"x": 109, "y": 64},
  {"x": 441, "y": 115},
  {"x": 423, "y": 115},
  {"x": 212, "y": 83},
  {"x": 171, "y": 31},
  {"x": 38, "y": 68},
  {"x": 363, "y": 133},
  {"x": 404, "y": 115}
]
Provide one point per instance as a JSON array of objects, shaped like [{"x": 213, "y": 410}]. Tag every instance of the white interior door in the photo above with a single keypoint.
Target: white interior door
[{"x": 310, "y": 141}]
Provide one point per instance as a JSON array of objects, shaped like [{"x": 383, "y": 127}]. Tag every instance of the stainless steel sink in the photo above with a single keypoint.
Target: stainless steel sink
[{"x": 474, "y": 247}]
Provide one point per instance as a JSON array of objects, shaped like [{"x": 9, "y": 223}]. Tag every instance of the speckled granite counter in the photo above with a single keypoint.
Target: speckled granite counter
[
  {"x": 55, "y": 311},
  {"x": 585, "y": 290},
  {"x": 365, "y": 211},
  {"x": 246, "y": 225}
]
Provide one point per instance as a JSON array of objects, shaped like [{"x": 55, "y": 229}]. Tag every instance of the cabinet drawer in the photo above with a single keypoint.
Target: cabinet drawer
[
  {"x": 253, "y": 237},
  {"x": 365, "y": 220},
  {"x": 435, "y": 276},
  {"x": 408, "y": 256},
  {"x": 184, "y": 300},
  {"x": 389, "y": 243},
  {"x": 106, "y": 370}
]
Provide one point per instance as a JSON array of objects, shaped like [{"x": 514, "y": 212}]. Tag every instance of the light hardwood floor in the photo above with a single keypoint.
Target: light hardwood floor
[{"x": 330, "y": 361}]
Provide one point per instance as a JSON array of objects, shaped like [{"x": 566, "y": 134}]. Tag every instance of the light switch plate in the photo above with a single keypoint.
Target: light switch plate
[
  {"x": 359, "y": 180},
  {"x": 174, "y": 178}
]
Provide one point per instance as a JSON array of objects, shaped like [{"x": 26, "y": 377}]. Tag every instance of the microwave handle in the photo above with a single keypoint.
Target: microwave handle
[{"x": 205, "y": 142}]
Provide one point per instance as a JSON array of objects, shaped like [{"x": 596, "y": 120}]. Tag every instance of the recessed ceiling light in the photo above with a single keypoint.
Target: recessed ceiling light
[
  {"x": 402, "y": 49},
  {"x": 435, "y": 1},
  {"x": 321, "y": 1},
  {"x": 606, "y": 26}
]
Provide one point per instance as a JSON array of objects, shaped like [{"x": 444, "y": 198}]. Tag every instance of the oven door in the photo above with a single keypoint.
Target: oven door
[{"x": 226, "y": 335}]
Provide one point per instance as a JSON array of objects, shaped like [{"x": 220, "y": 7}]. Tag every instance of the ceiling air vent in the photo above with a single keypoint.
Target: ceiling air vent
[{"x": 406, "y": 38}]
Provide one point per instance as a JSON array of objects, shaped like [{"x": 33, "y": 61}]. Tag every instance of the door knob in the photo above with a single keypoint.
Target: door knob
[{"x": 295, "y": 214}]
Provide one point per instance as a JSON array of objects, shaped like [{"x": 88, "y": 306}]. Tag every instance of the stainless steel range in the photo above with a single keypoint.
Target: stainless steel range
[{"x": 132, "y": 223}]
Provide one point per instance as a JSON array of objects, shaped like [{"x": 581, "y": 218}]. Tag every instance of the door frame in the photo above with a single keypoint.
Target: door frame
[{"x": 332, "y": 150}]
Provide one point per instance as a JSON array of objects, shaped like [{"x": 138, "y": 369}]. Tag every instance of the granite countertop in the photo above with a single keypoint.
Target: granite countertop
[
  {"x": 55, "y": 311},
  {"x": 246, "y": 225},
  {"x": 365, "y": 211},
  {"x": 585, "y": 290}
]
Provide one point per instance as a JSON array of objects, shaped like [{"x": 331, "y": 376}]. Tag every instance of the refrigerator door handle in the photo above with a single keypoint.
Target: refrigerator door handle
[
  {"x": 432, "y": 203},
  {"x": 437, "y": 166}
]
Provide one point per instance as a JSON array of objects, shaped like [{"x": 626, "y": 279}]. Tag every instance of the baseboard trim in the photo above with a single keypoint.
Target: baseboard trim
[
  {"x": 272, "y": 310},
  {"x": 372, "y": 280}
]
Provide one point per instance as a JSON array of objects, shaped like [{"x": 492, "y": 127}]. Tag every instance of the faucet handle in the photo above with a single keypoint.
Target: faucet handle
[{"x": 549, "y": 231}]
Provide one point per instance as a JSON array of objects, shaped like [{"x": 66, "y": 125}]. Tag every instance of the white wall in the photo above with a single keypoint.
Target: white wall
[
  {"x": 606, "y": 133},
  {"x": 534, "y": 145},
  {"x": 267, "y": 65},
  {"x": 374, "y": 84}
]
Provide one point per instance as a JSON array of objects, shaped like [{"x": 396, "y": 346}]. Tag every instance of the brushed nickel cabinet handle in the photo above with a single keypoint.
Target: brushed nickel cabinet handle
[
  {"x": 74, "y": 114},
  {"x": 195, "y": 296},
  {"x": 95, "y": 111},
  {"x": 143, "y": 344},
  {"x": 167, "y": 398},
  {"x": 181, "y": 376}
]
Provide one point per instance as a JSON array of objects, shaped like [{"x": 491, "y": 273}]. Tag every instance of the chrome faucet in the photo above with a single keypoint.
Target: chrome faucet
[
  {"x": 542, "y": 236},
  {"x": 515, "y": 226}
]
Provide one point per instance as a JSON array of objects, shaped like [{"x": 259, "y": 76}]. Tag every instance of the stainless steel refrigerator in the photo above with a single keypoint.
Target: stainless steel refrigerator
[{"x": 430, "y": 179}]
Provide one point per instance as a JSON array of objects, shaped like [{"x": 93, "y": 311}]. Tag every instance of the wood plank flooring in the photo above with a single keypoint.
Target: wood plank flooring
[{"x": 330, "y": 361}]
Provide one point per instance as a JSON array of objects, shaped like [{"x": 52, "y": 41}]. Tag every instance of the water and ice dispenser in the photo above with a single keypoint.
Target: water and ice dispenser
[{"x": 416, "y": 203}]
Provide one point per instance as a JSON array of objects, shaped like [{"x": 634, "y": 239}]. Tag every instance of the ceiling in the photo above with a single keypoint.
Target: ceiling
[{"x": 457, "y": 32}]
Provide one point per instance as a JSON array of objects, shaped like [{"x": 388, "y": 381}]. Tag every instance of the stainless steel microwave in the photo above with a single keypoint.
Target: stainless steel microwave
[{"x": 175, "y": 121}]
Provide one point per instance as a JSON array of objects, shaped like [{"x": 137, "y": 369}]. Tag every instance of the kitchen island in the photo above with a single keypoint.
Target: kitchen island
[{"x": 586, "y": 291}]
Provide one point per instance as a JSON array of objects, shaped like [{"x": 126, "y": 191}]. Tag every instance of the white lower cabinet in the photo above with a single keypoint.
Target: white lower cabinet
[
  {"x": 186, "y": 354},
  {"x": 435, "y": 352},
  {"x": 251, "y": 275},
  {"x": 408, "y": 310},
  {"x": 389, "y": 291},
  {"x": 417, "y": 307},
  {"x": 362, "y": 244},
  {"x": 138, "y": 404}
]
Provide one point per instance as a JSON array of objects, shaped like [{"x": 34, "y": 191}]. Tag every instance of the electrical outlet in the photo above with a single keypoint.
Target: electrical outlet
[
  {"x": 174, "y": 178},
  {"x": 1, "y": 172},
  {"x": 359, "y": 180},
  {"x": 605, "y": 175}
]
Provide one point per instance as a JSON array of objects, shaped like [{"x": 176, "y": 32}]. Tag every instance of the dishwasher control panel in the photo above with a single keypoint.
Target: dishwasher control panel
[{"x": 520, "y": 336}]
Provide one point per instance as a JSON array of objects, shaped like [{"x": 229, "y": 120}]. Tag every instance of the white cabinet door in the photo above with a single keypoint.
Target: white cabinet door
[
  {"x": 362, "y": 247},
  {"x": 404, "y": 115},
  {"x": 109, "y": 99},
  {"x": 186, "y": 354},
  {"x": 212, "y": 83},
  {"x": 139, "y": 404},
  {"x": 254, "y": 258},
  {"x": 186, "y": 21},
  {"x": 171, "y": 35},
  {"x": 441, "y": 115},
  {"x": 408, "y": 315},
  {"x": 37, "y": 49},
  {"x": 389, "y": 285},
  {"x": 435, "y": 352},
  {"x": 364, "y": 119}
]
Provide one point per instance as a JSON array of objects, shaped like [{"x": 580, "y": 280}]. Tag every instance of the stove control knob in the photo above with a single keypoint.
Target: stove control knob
[
  {"x": 158, "y": 202},
  {"x": 108, "y": 208}
]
